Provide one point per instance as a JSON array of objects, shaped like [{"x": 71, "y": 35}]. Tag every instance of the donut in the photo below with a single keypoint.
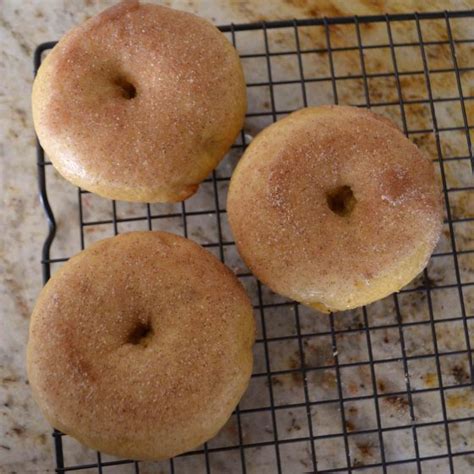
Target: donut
[
  {"x": 334, "y": 207},
  {"x": 139, "y": 103},
  {"x": 140, "y": 346}
]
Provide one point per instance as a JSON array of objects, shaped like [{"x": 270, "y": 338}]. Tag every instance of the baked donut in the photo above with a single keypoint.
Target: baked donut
[
  {"x": 333, "y": 207},
  {"x": 139, "y": 103},
  {"x": 141, "y": 346}
]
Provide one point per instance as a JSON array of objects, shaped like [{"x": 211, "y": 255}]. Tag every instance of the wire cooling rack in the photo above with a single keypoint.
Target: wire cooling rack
[{"x": 386, "y": 388}]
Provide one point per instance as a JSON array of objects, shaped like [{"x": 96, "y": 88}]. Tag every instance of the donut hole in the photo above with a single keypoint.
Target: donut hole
[
  {"x": 127, "y": 89},
  {"x": 341, "y": 200},
  {"x": 140, "y": 334}
]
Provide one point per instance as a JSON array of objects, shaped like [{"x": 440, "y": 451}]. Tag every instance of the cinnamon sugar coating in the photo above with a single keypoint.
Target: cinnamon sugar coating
[
  {"x": 141, "y": 346},
  {"x": 334, "y": 207},
  {"x": 139, "y": 103}
]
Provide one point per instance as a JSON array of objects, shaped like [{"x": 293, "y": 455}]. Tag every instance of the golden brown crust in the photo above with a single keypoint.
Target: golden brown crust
[
  {"x": 278, "y": 207},
  {"x": 158, "y": 145},
  {"x": 98, "y": 375}
]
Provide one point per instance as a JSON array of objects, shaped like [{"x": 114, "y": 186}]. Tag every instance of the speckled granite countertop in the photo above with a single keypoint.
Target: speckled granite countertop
[{"x": 25, "y": 442}]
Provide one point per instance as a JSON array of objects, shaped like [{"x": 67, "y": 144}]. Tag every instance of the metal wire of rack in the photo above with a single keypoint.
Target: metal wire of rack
[{"x": 325, "y": 407}]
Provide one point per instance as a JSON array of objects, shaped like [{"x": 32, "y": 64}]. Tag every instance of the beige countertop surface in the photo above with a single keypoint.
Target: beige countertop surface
[{"x": 25, "y": 437}]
